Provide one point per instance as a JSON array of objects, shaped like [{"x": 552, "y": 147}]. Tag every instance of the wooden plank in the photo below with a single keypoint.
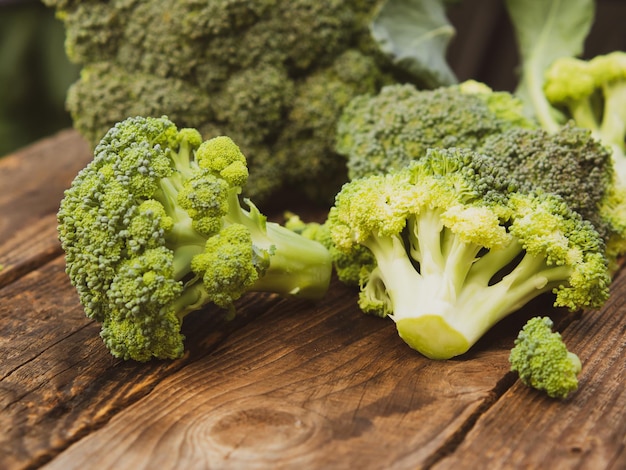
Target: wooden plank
[
  {"x": 305, "y": 386},
  {"x": 57, "y": 380},
  {"x": 33, "y": 181},
  {"x": 525, "y": 429}
]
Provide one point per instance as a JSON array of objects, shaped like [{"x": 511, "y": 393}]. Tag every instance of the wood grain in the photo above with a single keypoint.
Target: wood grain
[
  {"x": 587, "y": 431},
  {"x": 33, "y": 181},
  {"x": 57, "y": 380},
  {"x": 319, "y": 386}
]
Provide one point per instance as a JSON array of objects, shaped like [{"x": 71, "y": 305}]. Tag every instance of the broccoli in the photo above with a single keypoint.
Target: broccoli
[
  {"x": 542, "y": 360},
  {"x": 593, "y": 94},
  {"x": 568, "y": 162},
  {"x": 387, "y": 131},
  {"x": 272, "y": 75},
  {"x": 457, "y": 248},
  {"x": 348, "y": 266},
  {"x": 381, "y": 132},
  {"x": 153, "y": 229}
]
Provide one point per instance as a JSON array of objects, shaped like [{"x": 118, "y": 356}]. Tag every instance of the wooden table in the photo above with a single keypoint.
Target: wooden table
[{"x": 287, "y": 384}]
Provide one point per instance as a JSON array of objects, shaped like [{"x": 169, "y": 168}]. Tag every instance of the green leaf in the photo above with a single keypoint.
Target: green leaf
[
  {"x": 415, "y": 35},
  {"x": 545, "y": 31}
]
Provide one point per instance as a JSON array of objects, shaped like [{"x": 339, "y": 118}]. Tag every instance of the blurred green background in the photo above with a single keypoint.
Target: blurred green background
[{"x": 34, "y": 74}]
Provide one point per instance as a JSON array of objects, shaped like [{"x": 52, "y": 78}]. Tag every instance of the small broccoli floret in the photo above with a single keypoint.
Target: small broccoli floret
[
  {"x": 457, "y": 249},
  {"x": 542, "y": 360},
  {"x": 573, "y": 95},
  {"x": 593, "y": 94},
  {"x": 153, "y": 229},
  {"x": 387, "y": 131}
]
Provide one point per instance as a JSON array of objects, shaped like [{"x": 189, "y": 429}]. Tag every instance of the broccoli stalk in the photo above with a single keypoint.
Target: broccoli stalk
[
  {"x": 456, "y": 249},
  {"x": 542, "y": 360},
  {"x": 153, "y": 229}
]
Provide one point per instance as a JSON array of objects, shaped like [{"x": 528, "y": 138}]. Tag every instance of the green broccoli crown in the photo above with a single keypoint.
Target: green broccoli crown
[
  {"x": 153, "y": 229},
  {"x": 542, "y": 360},
  {"x": 457, "y": 248},
  {"x": 559, "y": 87},
  {"x": 386, "y": 131},
  {"x": 568, "y": 162},
  {"x": 272, "y": 75}
]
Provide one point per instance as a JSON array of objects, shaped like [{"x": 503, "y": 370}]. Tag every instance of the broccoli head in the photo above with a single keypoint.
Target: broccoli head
[
  {"x": 153, "y": 229},
  {"x": 457, "y": 248},
  {"x": 389, "y": 130},
  {"x": 381, "y": 132},
  {"x": 272, "y": 75},
  {"x": 568, "y": 162},
  {"x": 542, "y": 360},
  {"x": 593, "y": 94}
]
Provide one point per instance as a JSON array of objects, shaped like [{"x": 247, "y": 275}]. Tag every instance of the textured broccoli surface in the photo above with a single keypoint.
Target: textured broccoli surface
[
  {"x": 153, "y": 229},
  {"x": 457, "y": 248},
  {"x": 542, "y": 360},
  {"x": 382, "y": 132},
  {"x": 568, "y": 162},
  {"x": 272, "y": 75}
]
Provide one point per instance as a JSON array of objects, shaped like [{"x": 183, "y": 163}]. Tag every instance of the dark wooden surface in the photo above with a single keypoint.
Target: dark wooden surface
[{"x": 287, "y": 384}]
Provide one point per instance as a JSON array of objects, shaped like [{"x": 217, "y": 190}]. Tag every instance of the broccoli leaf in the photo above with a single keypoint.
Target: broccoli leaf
[
  {"x": 545, "y": 31},
  {"x": 415, "y": 34}
]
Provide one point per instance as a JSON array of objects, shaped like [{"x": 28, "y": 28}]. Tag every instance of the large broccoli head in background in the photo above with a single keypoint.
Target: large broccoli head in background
[{"x": 273, "y": 74}]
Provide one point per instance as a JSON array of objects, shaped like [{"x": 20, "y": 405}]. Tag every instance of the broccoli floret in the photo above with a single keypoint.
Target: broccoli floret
[
  {"x": 593, "y": 94},
  {"x": 272, "y": 75},
  {"x": 153, "y": 229},
  {"x": 457, "y": 249},
  {"x": 386, "y": 131},
  {"x": 133, "y": 94},
  {"x": 568, "y": 162},
  {"x": 542, "y": 360}
]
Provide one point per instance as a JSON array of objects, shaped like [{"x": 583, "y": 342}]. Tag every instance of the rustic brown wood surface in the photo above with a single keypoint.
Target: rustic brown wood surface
[{"x": 286, "y": 384}]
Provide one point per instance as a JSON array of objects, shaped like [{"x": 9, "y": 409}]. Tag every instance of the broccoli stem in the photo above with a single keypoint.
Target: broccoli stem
[
  {"x": 451, "y": 299},
  {"x": 584, "y": 115},
  {"x": 542, "y": 109},
  {"x": 193, "y": 297},
  {"x": 298, "y": 266},
  {"x": 613, "y": 126}
]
